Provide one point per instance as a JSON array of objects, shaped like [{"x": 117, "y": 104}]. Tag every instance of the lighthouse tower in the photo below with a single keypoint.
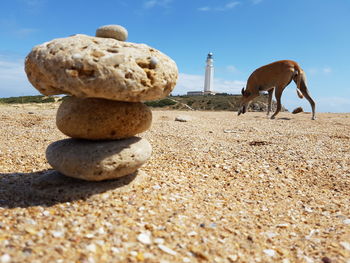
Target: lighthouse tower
[{"x": 209, "y": 75}]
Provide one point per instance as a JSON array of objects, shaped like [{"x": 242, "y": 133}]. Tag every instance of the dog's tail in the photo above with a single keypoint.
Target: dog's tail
[
  {"x": 299, "y": 75},
  {"x": 300, "y": 95}
]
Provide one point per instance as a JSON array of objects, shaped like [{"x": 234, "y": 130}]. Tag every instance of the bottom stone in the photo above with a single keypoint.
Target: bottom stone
[
  {"x": 98, "y": 160},
  {"x": 52, "y": 186}
]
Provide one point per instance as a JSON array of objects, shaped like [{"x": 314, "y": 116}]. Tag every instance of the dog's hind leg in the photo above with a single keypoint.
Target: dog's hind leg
[
  {"x": 307, "y": 96},
  {"x": 269, "y": 103}
]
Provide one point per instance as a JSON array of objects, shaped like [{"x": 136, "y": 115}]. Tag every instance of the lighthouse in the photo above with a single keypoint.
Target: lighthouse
[
  {"x": 209, "y": 75},
  {"x": 208, "y": 79}
]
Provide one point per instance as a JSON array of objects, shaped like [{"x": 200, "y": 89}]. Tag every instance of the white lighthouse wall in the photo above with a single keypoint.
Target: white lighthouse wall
[{"x": 209, "y": 76}]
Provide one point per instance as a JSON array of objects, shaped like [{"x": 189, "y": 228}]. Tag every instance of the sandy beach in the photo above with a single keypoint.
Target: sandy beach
[{"x": 218, "y": 188}]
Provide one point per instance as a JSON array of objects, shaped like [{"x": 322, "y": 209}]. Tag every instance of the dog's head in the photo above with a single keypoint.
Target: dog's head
[{"x": 245, "y": 100}]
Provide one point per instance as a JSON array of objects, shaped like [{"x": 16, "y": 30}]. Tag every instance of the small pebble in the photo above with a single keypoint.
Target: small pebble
[
  {"x": 297, "y": 110},
  {"x": 46, "y": 213},
  {"x": 89, "y": 235},
  {"x": 144, "y": 238},
  {"x": 233, "y": 258},
  {"x": 345, "y": 245},
  {"x": 133, "y": 253},
  {"x": 270, "y": 252},
  {"x": 57, "y": 234},
  {"x": 183, "y": 118},
  {"x": 167, "y": 250},
  {"x": 140, "y": 256},
  {"x": 229, "y": 131},
  {"x": 5, "y": 258},
  {"x": 91, "y": 248},
  {"x": 282, "y": 225},
  {"x": 101, "y": 231},
  {"x": 153, "y": 63},
  {"x": 326, "y": 260},
  {"x": 159, "y": 240},
  {"x": 269, "y": 234},
  {"x": 346, "y": 221},
  {"x": 115, "y": 250},
  {"x": 112, "y": 31},
  {"x": 192, "y": 233},
  {"x": 213, "y": 225}
]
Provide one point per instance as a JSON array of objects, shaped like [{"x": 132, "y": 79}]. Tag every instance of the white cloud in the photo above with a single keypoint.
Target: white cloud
[
  {"x": 312, "y": 71},
  {"x": 34, "y": 7},
  {"x": 154, "y": 3},
  {"x": 150, "y": 4},
  {"x": 13, "y": 80},
  {"x": 204, "y": 9},
  {"x": 316, "y": 71},
  {"x": 227, "y": 6},
  {"x": 327, "y": 70},
  {"x": 255, "y": 2},
  {"x": 24, "y": 32},
  {"x": 10, "y": 26},
  {"x": 231, "y": 69},
  {"x": 228, "y": 86},
  {"x": 33, "y": 2},
  {"x": 231, "y": 5},
  {"x": 190, "y": 82}
]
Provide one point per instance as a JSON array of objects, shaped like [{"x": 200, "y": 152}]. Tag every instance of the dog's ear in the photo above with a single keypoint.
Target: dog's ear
[{"x": 245, "y": 93}]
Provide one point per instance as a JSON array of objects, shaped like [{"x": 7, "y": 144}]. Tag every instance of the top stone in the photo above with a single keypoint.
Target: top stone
[
  {"x": 112, "y": 31},
  {"x": 94, "y": 67}
]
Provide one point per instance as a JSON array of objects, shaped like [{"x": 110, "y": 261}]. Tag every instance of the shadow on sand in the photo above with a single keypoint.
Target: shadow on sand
[{"x": 49, "y": 187}]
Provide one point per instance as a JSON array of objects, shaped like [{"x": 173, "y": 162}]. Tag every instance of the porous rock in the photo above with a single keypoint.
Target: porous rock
[
  {"x": 98, "y": 119},
  {"x": 85, "y": 66},
  {"x": 112, "y": 31},
  {"x": 98, "y": 160}
]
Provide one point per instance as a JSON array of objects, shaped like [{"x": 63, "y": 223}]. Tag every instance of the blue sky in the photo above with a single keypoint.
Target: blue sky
[{"x": 242, "y": 34}]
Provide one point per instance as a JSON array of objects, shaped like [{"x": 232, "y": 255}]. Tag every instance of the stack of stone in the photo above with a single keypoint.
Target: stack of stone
[{"x": 107, "y": 80}]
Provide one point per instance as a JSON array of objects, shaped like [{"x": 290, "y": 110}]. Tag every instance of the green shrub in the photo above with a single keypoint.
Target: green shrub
[
  {"x": 190, "y": 102},
  {"x": 160, "y": 103},
  {"x": 27, "y": 99}
]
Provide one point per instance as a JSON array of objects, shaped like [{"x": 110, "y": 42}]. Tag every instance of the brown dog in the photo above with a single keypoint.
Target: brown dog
[{"x": 275, "y": 76}]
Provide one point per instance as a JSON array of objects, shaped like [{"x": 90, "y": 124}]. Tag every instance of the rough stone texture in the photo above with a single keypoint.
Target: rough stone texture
[
  {"x": 86, "y": 66},
  {"x": 209, "y": 196},
  {"x": 98, "y": 119},
  {"x": 112, "y": 31},
  {"x": 98, "y": 160}
]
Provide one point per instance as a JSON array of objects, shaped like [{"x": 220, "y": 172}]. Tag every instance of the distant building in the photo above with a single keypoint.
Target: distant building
[
  {"x": 195, "y": 93},
  {"x": 208, "y": 79}
]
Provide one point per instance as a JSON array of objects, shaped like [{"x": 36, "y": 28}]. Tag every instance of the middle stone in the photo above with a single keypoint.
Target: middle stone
[{"x": 101, "y": 119}]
